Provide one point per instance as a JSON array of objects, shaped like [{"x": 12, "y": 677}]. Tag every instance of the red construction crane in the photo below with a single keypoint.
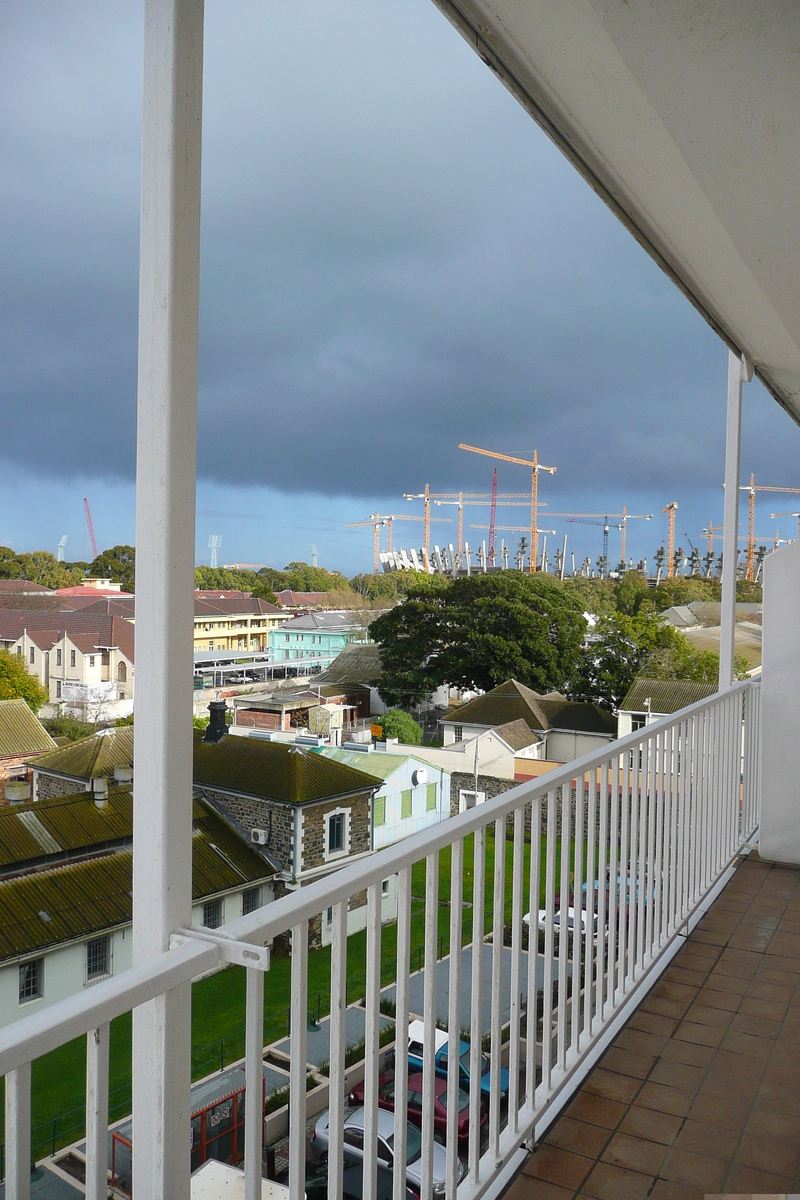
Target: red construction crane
[
  {"x": 91, "y": 528},
  {"x": 458, "y": 497},
  {"x": 490, "y": 557}
]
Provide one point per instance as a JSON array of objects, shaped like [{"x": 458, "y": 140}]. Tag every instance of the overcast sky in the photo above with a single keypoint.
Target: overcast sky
[{"x": 394, "y": 259}]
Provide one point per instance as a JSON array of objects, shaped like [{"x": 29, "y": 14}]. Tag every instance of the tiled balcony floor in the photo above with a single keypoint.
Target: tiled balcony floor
[{"x": 700, "y": 1092}]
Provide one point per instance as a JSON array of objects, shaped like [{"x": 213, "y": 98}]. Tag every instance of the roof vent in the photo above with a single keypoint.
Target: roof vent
[
  {"x": 100, "y": 790},
  {"x": 217, "y": 726},
  {"x": 361, "y": 747},
  {"x": 17, "y": 791},
  {"x": 123, "y": 774},
  {"x": 45, "y": 916}
]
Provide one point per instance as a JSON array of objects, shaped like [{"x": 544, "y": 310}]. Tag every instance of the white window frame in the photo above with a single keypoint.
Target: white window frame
[
  {"x": 464, "y": 793},
  {"x": 40, "y": 994},
  {"x": 98, "y": 975},
  {"x": 332, "y": 854},
  {"x": 217, "y": 900}
]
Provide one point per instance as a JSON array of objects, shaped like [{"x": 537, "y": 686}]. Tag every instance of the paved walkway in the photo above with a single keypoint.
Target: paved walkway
[{"x": 700, "y": 1092}]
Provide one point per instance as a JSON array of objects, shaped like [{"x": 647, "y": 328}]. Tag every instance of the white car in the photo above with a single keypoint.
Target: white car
[
  {"x": 570, "y": 921},
  {"x": 354, "y": 1147}
]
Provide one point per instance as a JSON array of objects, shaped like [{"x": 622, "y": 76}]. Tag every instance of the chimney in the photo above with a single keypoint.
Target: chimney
[{"x": 217, "y": 727}]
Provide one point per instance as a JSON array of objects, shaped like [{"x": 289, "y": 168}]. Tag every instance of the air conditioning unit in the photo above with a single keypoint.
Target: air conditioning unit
[{"x": 258, "y": 837}]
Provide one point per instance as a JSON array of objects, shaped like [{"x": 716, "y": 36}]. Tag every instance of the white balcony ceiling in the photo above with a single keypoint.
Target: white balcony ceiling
[{"x": 684, "y": 115}]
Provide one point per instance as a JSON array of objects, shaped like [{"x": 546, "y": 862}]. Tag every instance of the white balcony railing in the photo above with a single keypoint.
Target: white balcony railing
[{"x": 653, "y": 823}]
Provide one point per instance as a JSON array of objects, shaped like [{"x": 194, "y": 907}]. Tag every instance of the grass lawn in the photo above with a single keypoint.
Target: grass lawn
[{"x": 218, "y": 1002}]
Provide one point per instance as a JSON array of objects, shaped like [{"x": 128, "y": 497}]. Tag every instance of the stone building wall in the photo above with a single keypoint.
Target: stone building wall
[
  {"x": 277, "y": 819},
  {"x": 53, "y": 785}
]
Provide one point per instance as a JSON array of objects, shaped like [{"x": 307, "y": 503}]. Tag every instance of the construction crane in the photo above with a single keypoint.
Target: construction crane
[
  {"x": 581, "y": 520},
  {"x": 90, "y": 527},
  {"x": 456, "y": 497},
  {"x": 624, "y": 516},
  {"x": 502, "y": 497},
  {"x": 511, "y": 529},
  {"x": 671, "y": 508},
  {"x": 536, "y": 467},
  {"x": 60, "y": 550},
  {"x": 214, "y": 543},
  {"x": 751, "y": 488},
  {"x": 793, "y": 514},
  {"x": 376, "y": 520},
  {"x": 492, "y": 517}
]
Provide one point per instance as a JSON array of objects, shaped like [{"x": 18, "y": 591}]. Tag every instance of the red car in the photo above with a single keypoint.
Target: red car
[{"x": 386, "y": 1100}]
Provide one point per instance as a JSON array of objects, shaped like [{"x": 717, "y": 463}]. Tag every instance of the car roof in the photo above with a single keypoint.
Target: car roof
[
  {"x": 415, "y": 1083},
  {"x": 385, "y": 1121},
  {"x": 416, "y": 1033}
]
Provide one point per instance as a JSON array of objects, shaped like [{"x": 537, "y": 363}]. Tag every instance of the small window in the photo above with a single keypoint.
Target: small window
[
  {"x": 430, "y": 798},
  {"x": 58, "y": 689},
  {"x": 380, "y": 810},
  {"x": 98, "y": 957},
  {"x": 58, "y": 660},
  {"x": 287, "y": 637},
  {"x": 91, "y": 660},
  {"x": 336, "y": 833},
  {"x": 32, "y": 655},
  {"x": 405, "y": 804},
  {"x": 212, "y": 914},
  {"x": 72, "y": 658},
  {"x": 458, "y": 732},
  {"x": 329, "y": 915},
  {"x": 384, "y": 887},
  {"x": 31, "y": 980},
  {"x": 251, "y": 900},
  {"x": 19, "y": 651}
]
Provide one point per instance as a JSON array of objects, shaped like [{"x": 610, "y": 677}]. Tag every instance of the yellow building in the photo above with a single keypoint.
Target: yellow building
[{"x": 234, "y": 621}]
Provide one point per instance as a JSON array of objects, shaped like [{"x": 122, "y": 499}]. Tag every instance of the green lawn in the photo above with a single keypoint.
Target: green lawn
[{"x": 218, "y": 1002}]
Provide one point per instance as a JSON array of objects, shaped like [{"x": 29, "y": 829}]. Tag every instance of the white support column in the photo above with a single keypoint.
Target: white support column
[
  {"x": 165, "y": 504},
  {"x": 18, "y": 1134},
  {"x": 97, "y": 1047},
  {"x": 739, "y": 371}
]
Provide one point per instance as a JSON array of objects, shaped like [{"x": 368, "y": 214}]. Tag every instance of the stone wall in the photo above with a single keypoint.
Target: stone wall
[
  {"x": 53, "y": 785},
  {"x": 488, "y": 784},
  {"x": 313, "y": 852},
  {"x": 277, "y": 819}
]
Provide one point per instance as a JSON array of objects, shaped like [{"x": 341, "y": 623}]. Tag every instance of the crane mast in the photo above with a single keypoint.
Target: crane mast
[{"x": 90, "y": 527}]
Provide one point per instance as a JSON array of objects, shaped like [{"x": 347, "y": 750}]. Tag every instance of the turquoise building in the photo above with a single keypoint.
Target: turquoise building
[{"x": 320, "y": 635}]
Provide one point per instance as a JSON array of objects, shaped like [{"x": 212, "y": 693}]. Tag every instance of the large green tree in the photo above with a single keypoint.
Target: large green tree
[
  {"x": 478, "y": 632},
  {"x": 622, "y": 647},
  {"x": 118, "y": 563},
  {"x": 17, "y": 684}
]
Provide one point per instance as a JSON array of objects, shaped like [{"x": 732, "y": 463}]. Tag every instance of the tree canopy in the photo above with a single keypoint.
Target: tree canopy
[
  {"x": 478, "y": 632},
  {"x": 118, "y": 563},
  {"x": 17, "y": 684},
  {"x": 398, "y": 724}
]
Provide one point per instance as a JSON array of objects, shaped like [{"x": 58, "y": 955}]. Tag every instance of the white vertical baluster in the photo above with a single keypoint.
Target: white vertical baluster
[
  {"x": 401, "y": 1027},
  {"x": 670, "y": 831},
  {"x": 165, "y": 540},
  {"x": 372, "y": 1041},
  {"x": 254, "y": 1079},
  {"x": 476, "y": 1014},
  {"x": 97, "y": 1113},
  {"x": 454, "y": 1012},
  {"x": 624, "y": 870},
  {"x": 703, "y": 790},
  {"x": 549, "y": 907},
  {"x": 633, "y": 880},
  {"x": 517, "y": 879},
  {"x": 563, "y": 926},
  {"x": 614, "y": 874},
  {"x": 641, "y": 874},
  {"x": 531, "y": 1016},
  {"x": 591, "y": 901},
  {"x": 18, "y": 1133},
  {"x": 659, "y": 870},
  {"x": 602, "y": 896},
  {"x": 498, "y": 923},
  {"x": 652, "y": 791},
  {"x": 336, "y": 1073},
  {"x": 694, "y": 816},
  {"x": 298, "y": 1055},
  {"x": 429, "y": 1014},
  {"x": 582, "y": 916}
]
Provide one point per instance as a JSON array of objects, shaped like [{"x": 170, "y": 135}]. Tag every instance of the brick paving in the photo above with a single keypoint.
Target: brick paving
[{"x": 700, "y": 1092}]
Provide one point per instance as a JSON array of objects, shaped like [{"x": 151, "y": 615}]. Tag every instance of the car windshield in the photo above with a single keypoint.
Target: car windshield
[
  {"x": 413, "y": 1143},
  {"x": 463, "y": 1099},
  {"x": 465, "y": 1063}
]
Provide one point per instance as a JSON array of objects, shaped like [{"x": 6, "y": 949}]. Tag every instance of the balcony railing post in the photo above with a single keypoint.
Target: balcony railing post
[
  {"x": 254, "y": 1076},
  {"x": 97, "y": 1047},
  {"x": 739, "y": 371},
  {"x": 18, "y": 1133},
  {"x": 165, "y": 513}
]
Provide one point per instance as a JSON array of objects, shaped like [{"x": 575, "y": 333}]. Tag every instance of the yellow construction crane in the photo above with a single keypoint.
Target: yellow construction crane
[
  {"x": 671, "y": 508},
  {"x": 462, "y": 504},
  {"x": 794, "y": 514},
  {"x": 376, "y": 520},
  {"x": 751, "y": 488},
  {"x": 536, "y": 467},
  {"x": 459, "y": 498}
]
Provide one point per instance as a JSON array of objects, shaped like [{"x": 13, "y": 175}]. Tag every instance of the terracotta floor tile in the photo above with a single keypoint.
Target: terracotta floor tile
[
  {"x": 782, "y": 1127},
  {"x": 578, "y": 1136},
  {"x": 686, "y": 975},
  {"x": 779, "y": 993},
  {"x": 703, "y": 1035},
  {"x": 650, "y": 1022},
  {"x": 665, "y": 1099},
  {"x": 768, "y": 1155},
  {"x": 729, "y": 977},
  {"x": 782, "y": 1073},
  {"x": 714, "y": 1141},
  {"x": 696, "y": 1170},
  {"x": 768, "y": 973},
  {"x": 558, "y": 1166},
  {"x": 713, "y": 997},
  {"x": 721, "y": 1083},
  {"x": 663, "y": 1006},
  {"x": 712, "y": 937},
  {"x": 743, "y": 1043},
  {"x": 739, "y": 1066},
  {"x": 717, "y": 1018},
  {"x": 748, "y": 1179},
  {"x": 655, "y": 1126},
  {"x": 761, "y": 1005},
  {"x": 597, "y": 1110},
  {"x": 611, "y": 1085},
  {"x": 526, "y": 1188},
  {"x": 637, "y": 1154},
  {"x": 775, "y": 1097},
  {"x": 640, "y": 1041},
  {"x": 665, "y": 1189},
  {"x": 729, "y": 1112},
  {"x": 755, "y": 1025},
  {"x": 674, "y": 991},
  {"x": 628, "y": 1062},
  {"x": 688, "y": 1052},
  {"x": 608, "y": 1182},
  {"x": 678, "y": 1075}
]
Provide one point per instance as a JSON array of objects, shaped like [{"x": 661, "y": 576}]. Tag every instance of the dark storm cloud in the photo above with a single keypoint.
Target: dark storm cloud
[{"x": 394, "y": 260}]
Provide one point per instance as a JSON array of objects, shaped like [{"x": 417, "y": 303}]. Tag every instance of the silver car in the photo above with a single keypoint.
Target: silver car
[{"x": 354, "y": 1147}]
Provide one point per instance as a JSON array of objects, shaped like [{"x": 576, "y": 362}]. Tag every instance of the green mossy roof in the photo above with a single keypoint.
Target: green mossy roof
[{"x": 21, "y": 731}]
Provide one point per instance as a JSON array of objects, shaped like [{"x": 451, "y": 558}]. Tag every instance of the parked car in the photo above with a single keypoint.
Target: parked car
[
  {"x": 414, "y": 1091},
  {"x": 354, "y": 1147},
  {"x": 352, "y": 1182},
  {"x": 416, "y": 1038},
  {"x": 571, "y": 918}
]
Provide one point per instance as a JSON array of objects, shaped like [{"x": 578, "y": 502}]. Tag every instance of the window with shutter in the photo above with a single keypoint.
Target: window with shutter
[
  {"x": 380, "y": 810},
  {"x": 430, "y": 799},
  {"x": 405, "y": 804}
]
